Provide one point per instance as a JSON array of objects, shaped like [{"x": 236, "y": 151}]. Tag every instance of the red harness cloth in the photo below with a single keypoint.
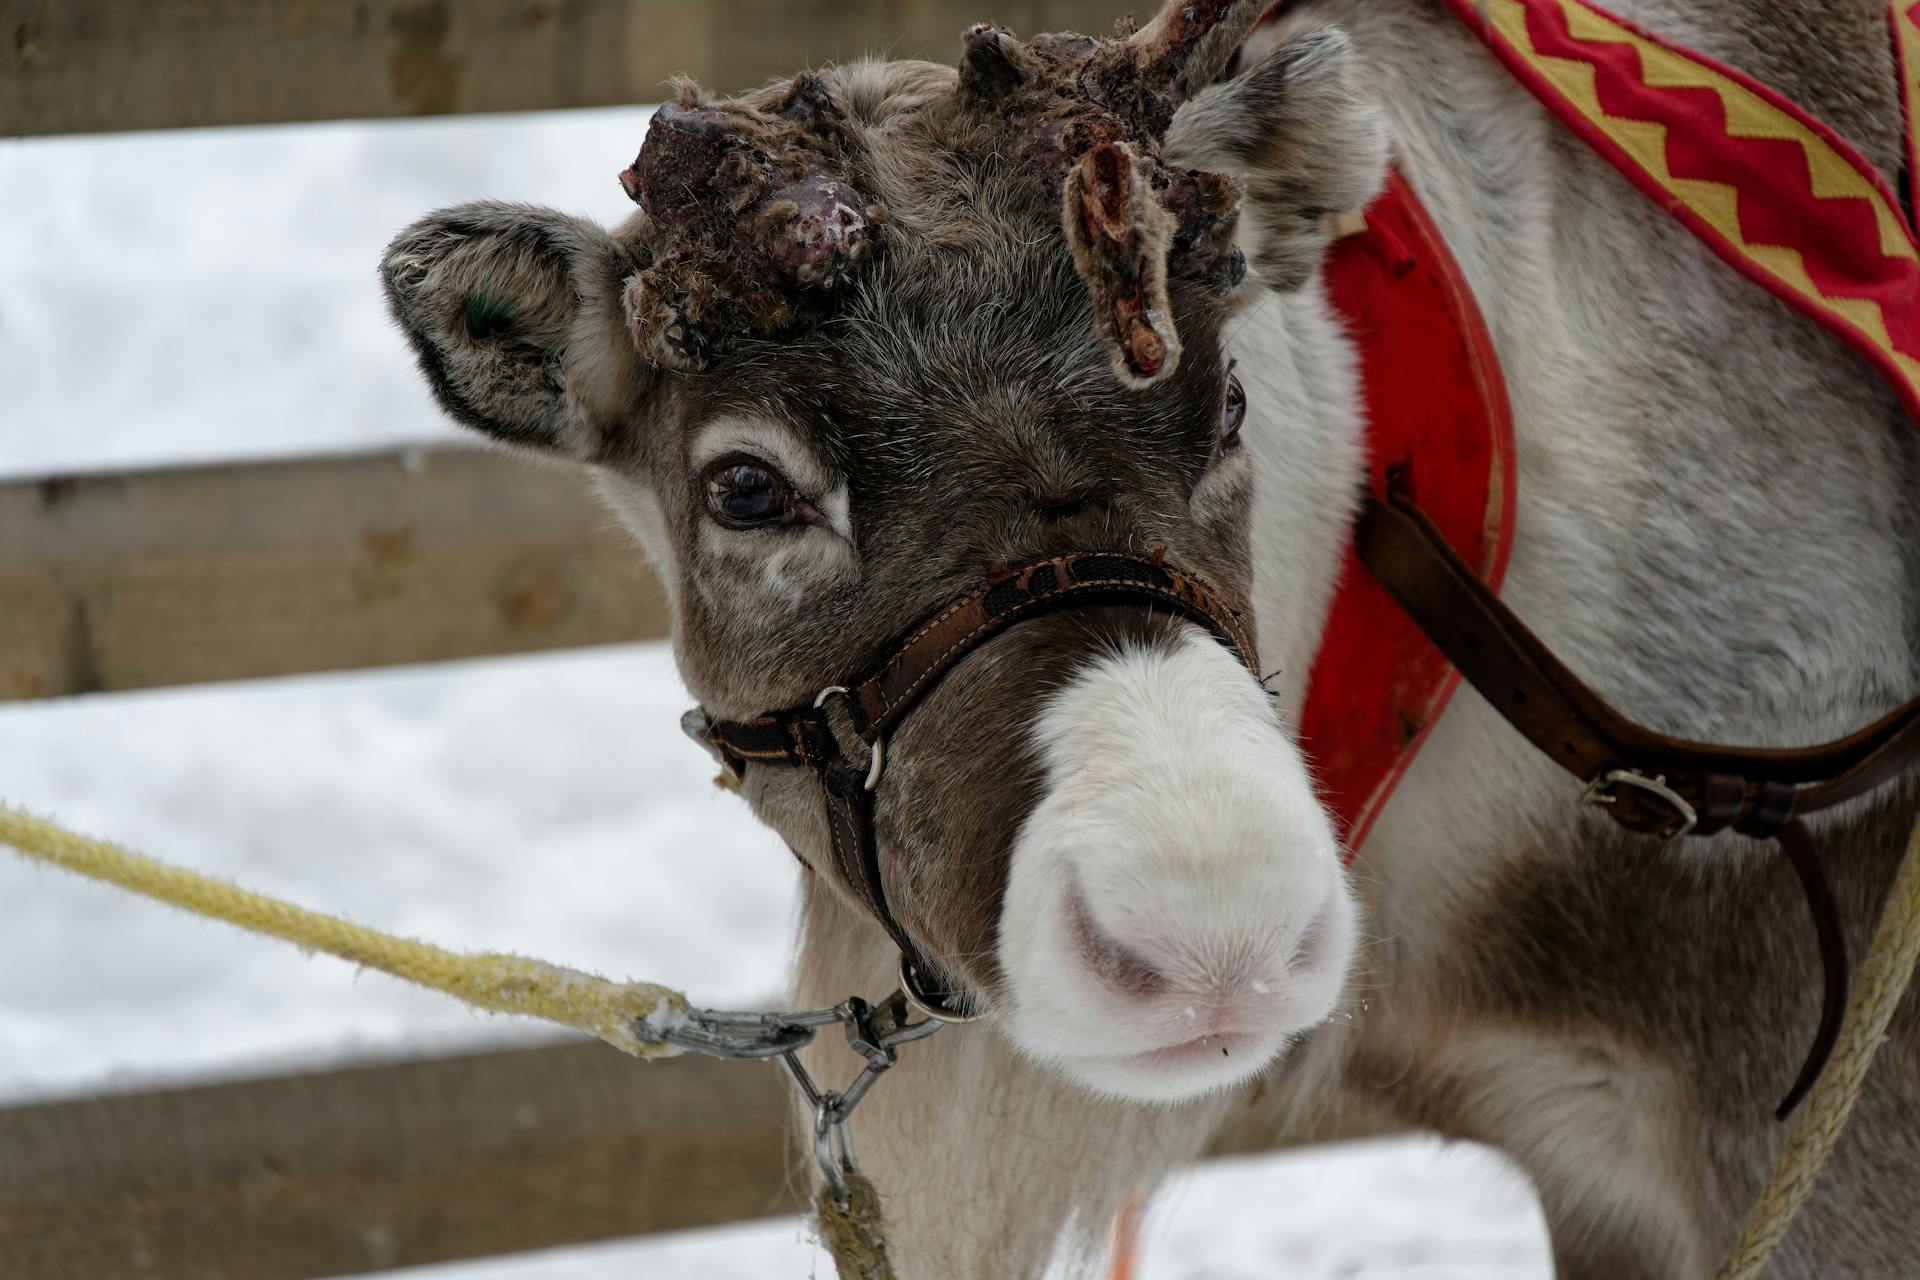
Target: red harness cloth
[
  {"x": 1437, "y": 420},
  {"x": 1774, "y": 192}
]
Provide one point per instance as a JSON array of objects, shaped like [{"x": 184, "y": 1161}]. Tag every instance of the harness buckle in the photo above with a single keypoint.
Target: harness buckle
[{"x": 1601, "y": 791}]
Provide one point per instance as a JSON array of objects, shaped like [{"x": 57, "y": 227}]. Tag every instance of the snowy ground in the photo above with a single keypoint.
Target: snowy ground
[{"x": 211, "y": 295}]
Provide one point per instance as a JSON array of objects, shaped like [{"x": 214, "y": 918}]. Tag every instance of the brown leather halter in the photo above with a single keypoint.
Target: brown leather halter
[
  {"x": 877, "y": 701},
  {"x": 1647, "y": 782}
]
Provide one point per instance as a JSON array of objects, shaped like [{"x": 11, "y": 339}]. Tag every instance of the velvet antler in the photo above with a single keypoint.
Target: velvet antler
[
  {"x": 1190, "y": 42},
  {"x": 749, "y": 219},
  {"x": 1120, "y": 234},
  {"x": 753, "y": 219},
  {"x": 1089, "y": 115}
]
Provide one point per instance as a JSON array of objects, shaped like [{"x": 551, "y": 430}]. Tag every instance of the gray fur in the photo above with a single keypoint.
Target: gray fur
[
  {"x": 1717, "y": 529},
  {"x": 1304, "y": 138},
  {"x": 544, "y": 371}
]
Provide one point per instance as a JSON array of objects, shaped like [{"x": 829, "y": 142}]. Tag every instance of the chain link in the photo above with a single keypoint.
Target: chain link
[{"x": 875, "y": 1032}]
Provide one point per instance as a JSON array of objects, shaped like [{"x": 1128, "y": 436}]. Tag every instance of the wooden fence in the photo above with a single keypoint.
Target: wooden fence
[
  {"x": 136, "y": 580},
  {"x": 343, "y": 1172},
  {"x": 75, "y": 66}
]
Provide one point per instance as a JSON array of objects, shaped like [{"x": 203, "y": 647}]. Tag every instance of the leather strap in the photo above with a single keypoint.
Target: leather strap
[
  {"x": 1798, "y": 846},
  {"x": 1737, "y": 787},
  {"x": 1028, "y": 590},
  {"x": 912, "y": 665},
  {"x": 1648, "y": 782}
]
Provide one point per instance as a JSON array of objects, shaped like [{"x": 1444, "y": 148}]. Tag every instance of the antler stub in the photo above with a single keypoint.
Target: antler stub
[
  {"x": 749, "y": 217},
  {"x": 754, "y": 217},
  {"x": 1098, "y": 109},
  {"x": 1120, "y": 234},
  {"x": 1189, "y": 42}
]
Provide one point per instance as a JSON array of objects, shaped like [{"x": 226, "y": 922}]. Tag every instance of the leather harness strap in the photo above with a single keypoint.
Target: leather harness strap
[
  {"x": 1030, "y": 589},
  {"x": 1647, "y": 782},
  {"x": 879, "y": 700}
]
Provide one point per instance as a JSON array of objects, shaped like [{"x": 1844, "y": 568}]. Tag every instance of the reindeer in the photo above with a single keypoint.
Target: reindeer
[{"x": 840, "y": 363}]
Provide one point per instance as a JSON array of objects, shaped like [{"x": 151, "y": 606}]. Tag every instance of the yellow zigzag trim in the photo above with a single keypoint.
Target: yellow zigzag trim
[
  {"x": 1748, "y": 116},
  {"x": 1906, "y": 34},
  {"x": 1715, "y": 203}
]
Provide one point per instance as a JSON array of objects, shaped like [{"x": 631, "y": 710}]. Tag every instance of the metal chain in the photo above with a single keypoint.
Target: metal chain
[{"x": 875, "y": 1032}]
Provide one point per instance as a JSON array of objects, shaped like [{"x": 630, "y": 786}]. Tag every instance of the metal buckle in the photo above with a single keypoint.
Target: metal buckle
[
  {"x": 1599, "y": 792},
  {"x": 875, "y": 1032},
  {"x": 877, "y": 762}
]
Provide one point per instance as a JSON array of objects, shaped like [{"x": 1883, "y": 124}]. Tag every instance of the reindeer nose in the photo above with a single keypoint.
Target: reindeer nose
[
  {"x": 1175, "y": 914},
  {"x": 1218, "y": 976},
  {"x": 1120, "y": 966}
]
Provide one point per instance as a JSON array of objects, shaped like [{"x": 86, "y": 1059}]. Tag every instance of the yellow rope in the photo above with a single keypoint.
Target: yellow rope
[
  {"x": 854, "y": 1233},
  {"x": 1882, "y": 982},
  {"x": 492, "y": 980},
  {"x": 611, "y": 1011}
]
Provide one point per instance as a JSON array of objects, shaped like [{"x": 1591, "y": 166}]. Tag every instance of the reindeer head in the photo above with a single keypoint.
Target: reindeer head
[{"x": 839, "y": 364}]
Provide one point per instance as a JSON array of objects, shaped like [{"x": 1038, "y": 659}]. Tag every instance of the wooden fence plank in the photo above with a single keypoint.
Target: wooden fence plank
[
  {"x": 70, "y": 66},
  {"x": 372, "y": 1168},
  {"x": 143, "y": 579}
]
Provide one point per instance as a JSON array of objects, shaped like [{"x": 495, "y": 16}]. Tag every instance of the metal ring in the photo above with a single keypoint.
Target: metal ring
[
  {"x": 932, "y": 1006},
  {"x": 877, "y": 758},
  {"x": 827, "y": 1123}
]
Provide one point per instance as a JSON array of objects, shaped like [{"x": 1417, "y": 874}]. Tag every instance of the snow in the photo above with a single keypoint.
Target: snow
[
  {"x": 224, "y": 305},
  {"x": 211, "y": 294}
]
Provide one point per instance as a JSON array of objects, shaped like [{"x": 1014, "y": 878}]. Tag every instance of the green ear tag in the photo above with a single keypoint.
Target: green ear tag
[{"x": 487, "y": 316}]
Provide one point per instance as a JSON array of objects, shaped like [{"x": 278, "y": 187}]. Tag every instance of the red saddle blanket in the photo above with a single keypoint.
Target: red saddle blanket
[{"x": 1777, "y": 194}]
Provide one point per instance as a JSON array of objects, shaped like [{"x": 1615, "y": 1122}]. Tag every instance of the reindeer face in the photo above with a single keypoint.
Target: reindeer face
[{"x": 838, "y": 366}]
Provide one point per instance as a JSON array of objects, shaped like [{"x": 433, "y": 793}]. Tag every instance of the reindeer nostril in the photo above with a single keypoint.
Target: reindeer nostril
[
  {"x": 1118, "y": 965},
  {"x": 1311, "y": 950}
]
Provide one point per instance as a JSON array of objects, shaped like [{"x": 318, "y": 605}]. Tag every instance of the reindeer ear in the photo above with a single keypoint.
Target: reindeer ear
[
  {"x": 515, "y": 314},
  {"x": 1303, "y": 137}
]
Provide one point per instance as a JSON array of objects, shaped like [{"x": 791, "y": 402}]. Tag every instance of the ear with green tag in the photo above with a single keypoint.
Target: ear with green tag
[{"x": 515, "y": 315}]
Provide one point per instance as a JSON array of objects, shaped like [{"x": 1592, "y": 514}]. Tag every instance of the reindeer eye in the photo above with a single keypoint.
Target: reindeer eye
[
  {"x": 1232, "y": 413},
  {"x": 744, "y": 492}
]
